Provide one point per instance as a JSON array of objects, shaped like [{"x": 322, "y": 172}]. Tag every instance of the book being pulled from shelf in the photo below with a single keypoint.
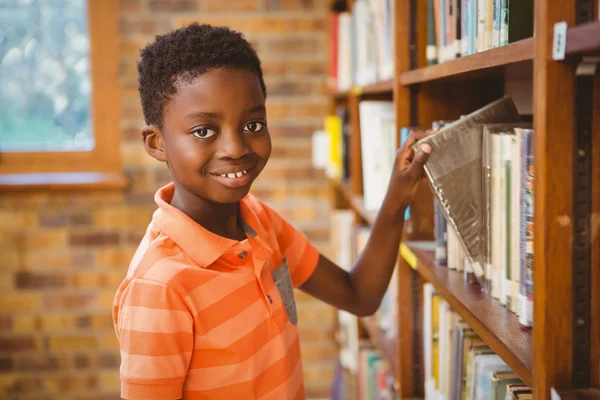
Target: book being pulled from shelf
[
  {"x": 458, "y": 364},
  {"x": 454, "y": 171}
]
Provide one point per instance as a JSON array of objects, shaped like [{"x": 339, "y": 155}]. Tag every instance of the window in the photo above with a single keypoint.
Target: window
[{"x": 59, "y": 108}]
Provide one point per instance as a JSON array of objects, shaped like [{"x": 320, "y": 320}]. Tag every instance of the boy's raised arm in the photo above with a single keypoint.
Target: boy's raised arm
[{"x": 360, "y": 291}]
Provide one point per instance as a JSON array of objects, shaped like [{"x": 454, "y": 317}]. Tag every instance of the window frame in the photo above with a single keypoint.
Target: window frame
[{"x": 102, "y": 166}]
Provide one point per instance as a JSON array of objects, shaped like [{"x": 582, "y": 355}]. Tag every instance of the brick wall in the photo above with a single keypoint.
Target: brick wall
[{"x": 62, "y": 255}]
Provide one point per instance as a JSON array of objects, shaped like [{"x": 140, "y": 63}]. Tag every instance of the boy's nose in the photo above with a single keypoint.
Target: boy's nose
[{"x": 233, "y": 145}]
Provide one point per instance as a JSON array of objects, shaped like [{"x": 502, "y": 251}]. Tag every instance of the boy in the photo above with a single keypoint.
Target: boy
[{"x": 206, "y": 310}]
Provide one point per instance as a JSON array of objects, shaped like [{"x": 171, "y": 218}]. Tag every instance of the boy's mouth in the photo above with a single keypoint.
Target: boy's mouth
[{"x": 234, "y": 179}]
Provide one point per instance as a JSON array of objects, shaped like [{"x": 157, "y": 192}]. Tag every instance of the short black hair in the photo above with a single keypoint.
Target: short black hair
[{"x": 187, "y": 53}]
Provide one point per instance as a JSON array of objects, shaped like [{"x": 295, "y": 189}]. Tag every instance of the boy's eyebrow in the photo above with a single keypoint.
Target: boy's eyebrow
[
  {"x": 215, "y": 115},
  {"x": 258, "y": 108},
  {"x": 203, "y": 114}
]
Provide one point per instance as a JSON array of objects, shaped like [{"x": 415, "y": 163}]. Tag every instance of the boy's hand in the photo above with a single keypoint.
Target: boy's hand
[{"x": 407, "y": 173}]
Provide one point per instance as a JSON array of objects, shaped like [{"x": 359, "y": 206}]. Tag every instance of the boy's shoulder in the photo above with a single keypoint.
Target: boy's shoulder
[{"x": 158, "y": 258}]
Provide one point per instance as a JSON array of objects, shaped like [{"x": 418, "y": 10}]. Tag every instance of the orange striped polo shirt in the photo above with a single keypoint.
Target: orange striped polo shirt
[{"x": 200, "y": 316}]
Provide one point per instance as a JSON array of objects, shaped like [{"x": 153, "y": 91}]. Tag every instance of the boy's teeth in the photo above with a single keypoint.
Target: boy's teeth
[
  {"x": 239, "y": 174},
  {"x": 223, "y": 175},
  {"x": 232, "y": 175},
  {"x": 244, "y": 172}
]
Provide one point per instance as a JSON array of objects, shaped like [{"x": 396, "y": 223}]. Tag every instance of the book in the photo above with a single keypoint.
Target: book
[
  {"x": 441, "y": 235},
  {"x": 378, "y": 149},
  {"x": 526, "y": 236},
  {"x": 432, "y": 57},
  {"x": 454, "y": 172}
]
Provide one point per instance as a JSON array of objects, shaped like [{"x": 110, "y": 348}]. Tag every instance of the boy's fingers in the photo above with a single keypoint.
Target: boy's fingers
[{"x": 415, "y": 170}]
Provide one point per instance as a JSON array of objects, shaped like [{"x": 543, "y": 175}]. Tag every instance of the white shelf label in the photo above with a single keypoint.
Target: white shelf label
[{"x": 559, "y": 45}]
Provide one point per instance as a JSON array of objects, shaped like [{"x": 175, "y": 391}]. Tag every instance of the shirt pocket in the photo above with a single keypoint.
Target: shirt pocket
[{"x": 283, "y": 281}]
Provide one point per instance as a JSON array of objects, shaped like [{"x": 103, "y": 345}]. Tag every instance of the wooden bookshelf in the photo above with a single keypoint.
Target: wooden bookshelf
[
  {"x": 496, "y": 325},
  {"x": 543, "y": 356}
]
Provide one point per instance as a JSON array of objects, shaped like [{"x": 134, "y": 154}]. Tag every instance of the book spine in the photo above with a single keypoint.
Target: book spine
[
  {"x": 441, "y": 249},
  {"x": 464, "y": 13},
  {"x": 473, "y": 23},
  {"x": 457, "y": 29},
  {"x": 495, "y": 231},
  {"x": 515, "y": 259},
  {"x": 503, "y": 218},
  {"x": 504, "y": 19},
  {"x": 481, "y": 24},
  {"x": 487, "y": 176},
  {"x": 526, "y": 285},
  {"x": 489, "y": 23},
  {"x": 431, "y": 34},
  {"x": 450, "y": 29},
  {"x": 496, "y": 24}
]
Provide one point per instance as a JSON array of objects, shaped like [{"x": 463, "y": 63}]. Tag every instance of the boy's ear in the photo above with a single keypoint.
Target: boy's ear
[{"x": 154, "y": 143}]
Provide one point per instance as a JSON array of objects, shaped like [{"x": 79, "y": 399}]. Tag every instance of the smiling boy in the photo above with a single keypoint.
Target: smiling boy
[{"x": 206, "y": 310}]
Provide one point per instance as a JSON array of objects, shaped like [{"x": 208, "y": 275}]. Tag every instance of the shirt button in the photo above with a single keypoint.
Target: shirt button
[
  {"x": 242, "y": 255},
  {"x": 270, "y": 299}
]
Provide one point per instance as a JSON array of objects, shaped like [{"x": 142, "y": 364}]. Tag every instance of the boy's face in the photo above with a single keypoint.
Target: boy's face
[{"x": 214, "y": 136}]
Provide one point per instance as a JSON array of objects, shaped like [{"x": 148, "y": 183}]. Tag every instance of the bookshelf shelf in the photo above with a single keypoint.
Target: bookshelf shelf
[
  {"x": 584, "y": 39},
  {"x": 381, "y": 87},
  {"x": 496, "y": 325},
  {"x": 476, "y": 64},
  {"x": 385, "y": 344}
]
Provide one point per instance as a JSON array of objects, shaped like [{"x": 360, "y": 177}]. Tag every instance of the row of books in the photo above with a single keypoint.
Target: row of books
[
  {"x": 331, "y": 148},
  {"x": 500, "y": 224},
  {"x": 360, "y": 44},
  {"x": 458, "y": 28},
  {"x": 458, "y": 365}
]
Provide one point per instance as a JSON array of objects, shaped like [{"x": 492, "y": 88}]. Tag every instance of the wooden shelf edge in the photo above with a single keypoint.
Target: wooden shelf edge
[
  {"x": 494, "y": 58},
  {"x": 68, "y": 181},
  {"x": 382, "y": 342},
  {"x": 381, "y": 87},
  {"x": 583, "y": 39},
  {"x": 498, "y": 327}
]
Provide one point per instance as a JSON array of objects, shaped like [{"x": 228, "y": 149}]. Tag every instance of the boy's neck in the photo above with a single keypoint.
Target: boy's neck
[{"x": 220, "y": 219}]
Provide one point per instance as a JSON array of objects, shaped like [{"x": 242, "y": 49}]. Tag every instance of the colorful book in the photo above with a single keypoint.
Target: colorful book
[{"x": 527, "y": 223}]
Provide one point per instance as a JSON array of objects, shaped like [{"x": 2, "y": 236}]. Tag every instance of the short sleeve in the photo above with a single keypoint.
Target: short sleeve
[
  {"x": 301, "y": 255},
  {"x": 155, "y": 332}
]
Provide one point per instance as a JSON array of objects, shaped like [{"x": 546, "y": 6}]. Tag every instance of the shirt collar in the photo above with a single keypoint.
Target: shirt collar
[{"x": 203, "y": 246}]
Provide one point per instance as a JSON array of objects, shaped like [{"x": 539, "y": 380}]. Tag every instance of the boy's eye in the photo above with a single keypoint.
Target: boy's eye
[
  {"x": 203, "y": 133},
  {"x": 253, "y": 127}
]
